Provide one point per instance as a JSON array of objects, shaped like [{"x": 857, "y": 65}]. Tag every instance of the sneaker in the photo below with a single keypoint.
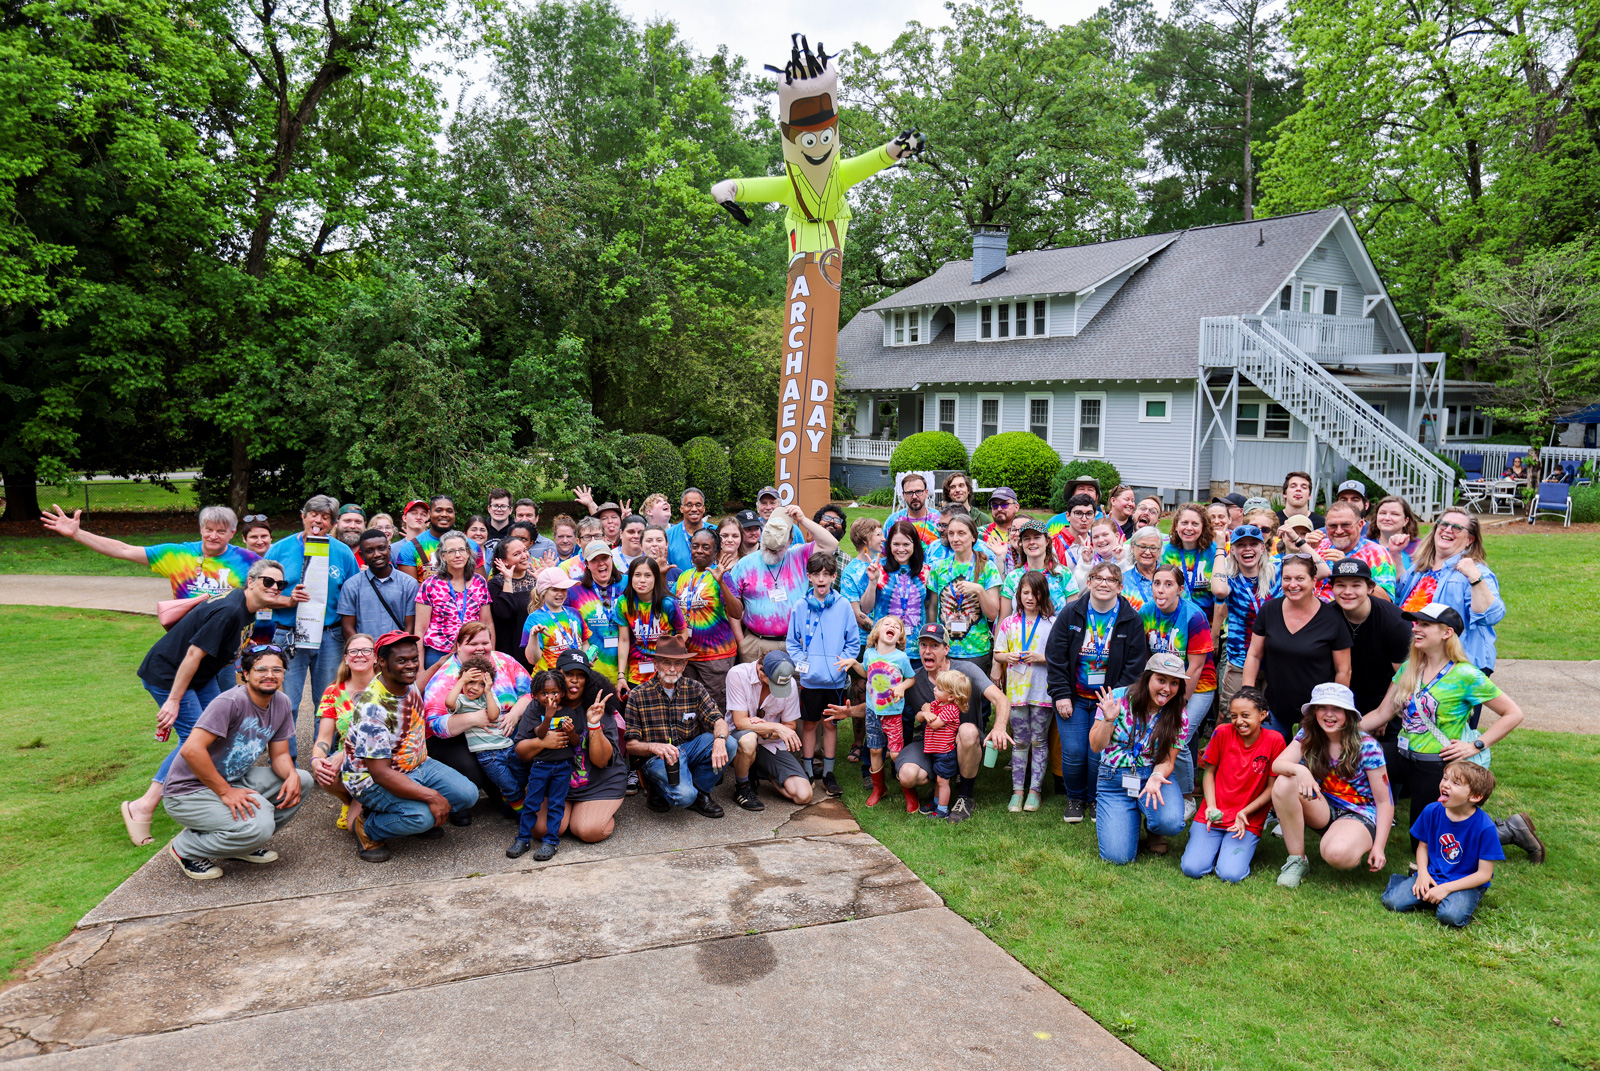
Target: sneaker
[
  {"x": 1032, "y": 802},
  {"x": 1089, "y": 810},
  {"x": 928, "y": 806},
  {"x": 1015, "y": 805},
  {"x": 830, "y": 784},
  {"x": 1074, "y": 812},
  {"x": 518, "y": 849},
  {"x": 961, "y": 809},
  {"x": 260, "y": 855},
  {"x": 816, "y": 770},
  {"x": 1518, "y": 829},
  {"x": 1294, "y": 871},
  {"x": 745, "y": 796},
  {"x": 1190, "y": 808},
  {"x": 198, "y": 868},
  {"x": 371, "y": 851},
  {"x": 545, "y": 853},
  {"x": 633, "y": 783},
  {"x": 462, "y": 819},
  {"x": 706, "y": 806}
]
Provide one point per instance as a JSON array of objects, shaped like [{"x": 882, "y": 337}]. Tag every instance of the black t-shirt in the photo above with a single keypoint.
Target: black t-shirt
[
  {"x": 508, "y": 608},
  {"x": 528, "y": 728},
  {"x": 1292, "y": 663},
  {"x": 1315, "y": 518},
  {"x": 921, "y": 694},
  {"x": 1376, "y": 644},
  {"x": 219, "y": 628}
]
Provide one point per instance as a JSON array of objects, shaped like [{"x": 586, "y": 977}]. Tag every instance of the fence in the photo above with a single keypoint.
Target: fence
[{"x": 1497, "y": 456}]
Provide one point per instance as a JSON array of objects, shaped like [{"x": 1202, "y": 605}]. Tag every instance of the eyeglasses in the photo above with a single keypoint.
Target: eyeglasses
[
  {"x": 273, "y": 583},
  {"x": 1453, "y": 526},
  {"x": 351, "y": 652},
  {"x": 454, "y": 550},
  {"x": 251, "y": 517},
  {"x": 1146, "y": 546},
  {"x": 1083, "y": 514}
]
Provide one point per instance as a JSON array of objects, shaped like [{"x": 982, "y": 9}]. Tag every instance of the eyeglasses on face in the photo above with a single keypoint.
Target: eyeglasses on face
[
  {"x": 364, "y": 652},
  {"x": 273, "y": 583}
]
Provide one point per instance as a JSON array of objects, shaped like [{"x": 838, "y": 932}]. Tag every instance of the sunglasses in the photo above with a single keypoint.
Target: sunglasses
[
  {"x": 270, "y": 648},
  {"x": 273, "y": 583},
  {"x": 1453, "y": 526},
  {"x": 252, "y": 517}
]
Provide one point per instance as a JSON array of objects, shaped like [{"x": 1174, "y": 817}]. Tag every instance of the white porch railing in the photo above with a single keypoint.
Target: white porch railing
[
  {"x": 1325, "y": 336},
  {"x": 1329, "y": 409},
  {"x": 859, "y": 448},
  {"x": 1497, "y": 456}
]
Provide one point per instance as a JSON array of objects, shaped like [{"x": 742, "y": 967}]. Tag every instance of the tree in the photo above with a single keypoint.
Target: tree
[{"x": 1535, "y": 324}]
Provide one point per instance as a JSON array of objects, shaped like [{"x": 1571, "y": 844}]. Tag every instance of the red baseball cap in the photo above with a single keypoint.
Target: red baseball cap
[
  {"x": 392, "y": 637},
  {"x": 413, "y": 504}
]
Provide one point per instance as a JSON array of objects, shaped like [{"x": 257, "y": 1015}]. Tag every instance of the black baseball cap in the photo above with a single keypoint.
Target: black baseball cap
[
  {"x": 571, "y": 660},
  {"x": 935, "y": 632},
  {"x": 748, "y": 518},
  {"x": 1352, "y": 567},
  {"x": 1436, "y": 613}
]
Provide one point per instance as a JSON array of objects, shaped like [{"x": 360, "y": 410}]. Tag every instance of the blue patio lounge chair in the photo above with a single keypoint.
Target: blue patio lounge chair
[
  {"x": 1554, "y": 498},
  {"x": 1473, "y": 464}
]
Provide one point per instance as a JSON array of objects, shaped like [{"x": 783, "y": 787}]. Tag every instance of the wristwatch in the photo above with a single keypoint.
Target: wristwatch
[
  {"x": 1475, "y": 583},
  {"x": 1479, "y": 744}
]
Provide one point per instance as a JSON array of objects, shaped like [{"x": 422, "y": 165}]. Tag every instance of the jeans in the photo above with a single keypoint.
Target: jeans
[
  {"x": 210, "y": 831},
  {"x": 1080, "y": 767},
  {"x": 1117, "y": 814},
  {"x": 1216, "y": 849},
  {"x": 322, "y": 662},
  {"x": 430, "y": 655},
  {"x": 1195, "y": 710},
  {"x": 386, "y": 815},
  {"x": 226, "y": 678},
  {"x": 194, "y": 702},
  {"x": 547, "y": 785},
  {"x": 506, "y": 772},
  {"x": 1454, "y": 910},
  {"x": 695, "y": 774}
]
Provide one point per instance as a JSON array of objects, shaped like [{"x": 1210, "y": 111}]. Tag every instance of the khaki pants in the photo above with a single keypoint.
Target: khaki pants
[
  {"x": 714, "y": 675},
  {"x": 753, "y": 648},
  {"x": 1227, "y": 688}
]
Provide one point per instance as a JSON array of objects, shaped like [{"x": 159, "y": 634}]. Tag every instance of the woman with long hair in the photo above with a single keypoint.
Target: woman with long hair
[
  {"x": 511, "y": 589},
  {"x": 1192, "y": 548},
  {"x": 1177, "y": 626},
  {"x": 454, "y": 597},
  {"x": 1449, "y": 567},
  {"x": 1397, "y": 529},
  {"x": 1038, "y": 556},
  {"x": 964, "y": 592},
  {"x": 903, "y": 590},
  {"x": 358, "y": 669},
  {"x": 599, "y": 765},
  {"x": 594, "y": 598},
  {"x": 644, "y": 614},
  {"x": 1137, "y": 731},
  {"x": 1242, "y": 579}
]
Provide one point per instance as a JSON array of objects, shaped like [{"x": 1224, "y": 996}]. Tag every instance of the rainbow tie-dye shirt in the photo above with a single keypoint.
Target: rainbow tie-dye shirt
[
  {"x": 701, "y": 611},
  {"x": 595, "y": 605},
  {"x": 190, "y": 572}
]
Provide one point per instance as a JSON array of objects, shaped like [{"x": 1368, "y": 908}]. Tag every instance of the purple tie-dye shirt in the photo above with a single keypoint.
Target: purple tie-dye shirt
[{"x": 754, "y": 581}]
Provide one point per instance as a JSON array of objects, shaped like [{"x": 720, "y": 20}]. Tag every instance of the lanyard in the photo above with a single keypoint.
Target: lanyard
[
  {"x": 813, "y": 622},
  {"x": 1137, "y": 751},
  {"x": 1428, "y": 688},
  {"x": 461, "y": 603},
  {"x": 1027, "y": 636},
  {"x": 699, "y": 592}
]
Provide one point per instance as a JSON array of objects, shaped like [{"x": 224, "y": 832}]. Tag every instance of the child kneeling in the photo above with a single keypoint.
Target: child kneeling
[
  {"x": 1457, "y": 844},
  {"x": 1238, "y": 789}
]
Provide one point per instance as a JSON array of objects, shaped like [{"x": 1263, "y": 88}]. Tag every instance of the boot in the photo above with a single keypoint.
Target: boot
[
  {"x": 913, "y": 802},
  {"x": 877, "y": 788},
  {"x": 1518, "y": 829}
]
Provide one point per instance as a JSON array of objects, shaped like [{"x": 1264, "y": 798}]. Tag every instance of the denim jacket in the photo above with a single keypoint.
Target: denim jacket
[{"x": 1455, "y": 591}]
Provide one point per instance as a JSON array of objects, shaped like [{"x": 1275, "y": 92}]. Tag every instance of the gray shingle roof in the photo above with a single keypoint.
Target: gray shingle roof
[{"x": 1149, "y": 330}]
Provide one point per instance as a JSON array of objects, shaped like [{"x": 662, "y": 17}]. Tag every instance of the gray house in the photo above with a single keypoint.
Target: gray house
[{"x": 1195, "y": 361}]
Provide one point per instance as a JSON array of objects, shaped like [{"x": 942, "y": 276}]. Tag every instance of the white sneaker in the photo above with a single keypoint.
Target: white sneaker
[{"x": 1190, "y": 807}]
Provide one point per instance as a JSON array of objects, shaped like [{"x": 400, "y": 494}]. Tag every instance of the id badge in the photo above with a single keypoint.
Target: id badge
[
  {"x": 645, "y": 667},
  {"x": 611, "y": 642},
  {"x": 1096, "y": 680},
  {"x": 780, "y": 594},
  {"x": 803, "y": 668},
  {"x": 1130, "y": 784}
]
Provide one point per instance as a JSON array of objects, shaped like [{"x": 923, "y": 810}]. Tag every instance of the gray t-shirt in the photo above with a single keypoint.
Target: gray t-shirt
[
  {"x": 921, "y": 693},
  {"x": 243, "y": 731}
]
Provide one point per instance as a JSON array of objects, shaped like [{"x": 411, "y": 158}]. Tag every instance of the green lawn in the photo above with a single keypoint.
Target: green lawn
[
  {"x": 1196, "y": 974},
  {"x": 118, "y": 495},
  {"x": 76, "y": 732}
]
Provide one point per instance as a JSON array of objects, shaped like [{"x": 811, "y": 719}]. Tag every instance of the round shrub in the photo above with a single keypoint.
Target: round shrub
[
  {"x": 706, "y": 466},
  {"x": 1103, "y": 471},
  {"x": 752, "y": 467},
  {"x": 1019, "y": 460},
  {"x": 650, "y": 464},
  {"x": 927, "y": 451}
]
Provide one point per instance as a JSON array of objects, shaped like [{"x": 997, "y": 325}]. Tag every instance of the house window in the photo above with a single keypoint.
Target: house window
[
  {"x": 1039, "y": 415},
  {"x": 985, "y": 329},
  {"x": 1155, "y": 408},
  {"x": 988, "y": 416},
  {"x": 1330, "y": 301},
  {"x": 913, "y": 332},
  {"x": 1382, "y": 408},
  {"x": 1286, "y": 298},
  {"x": 1263, "y": 420},
  {"x": 1305, "y": 299},
  {"x": 1003, "y": 316},
  {"x": 947, "y": 413},
  {"x": 1465, "y": 422},
  {"x": 1038, "y": 317},
  {"x": 899, "y": 328},
  {"x": 1022, "y": 319},
  {"x": 1091, "y": 410}
]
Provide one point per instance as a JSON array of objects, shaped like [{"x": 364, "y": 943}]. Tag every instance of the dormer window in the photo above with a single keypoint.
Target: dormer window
[
  {"x": 1018, "y": 319},
  {"x": 905, "y": 328}
]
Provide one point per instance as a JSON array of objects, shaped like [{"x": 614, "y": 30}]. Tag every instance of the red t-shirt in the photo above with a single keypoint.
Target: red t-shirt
[{"x": 1242, "y": 773}]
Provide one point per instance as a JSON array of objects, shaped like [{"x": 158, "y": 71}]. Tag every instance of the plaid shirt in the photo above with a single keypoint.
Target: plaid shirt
[{"x": 657, "y": 718}]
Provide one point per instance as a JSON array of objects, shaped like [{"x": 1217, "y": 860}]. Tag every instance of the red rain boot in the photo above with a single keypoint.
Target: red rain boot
[{"x": 877, "y": 788}]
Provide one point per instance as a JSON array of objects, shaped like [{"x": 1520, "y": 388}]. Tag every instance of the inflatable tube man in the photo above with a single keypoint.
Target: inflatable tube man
[{"x": 812, "y": 188}]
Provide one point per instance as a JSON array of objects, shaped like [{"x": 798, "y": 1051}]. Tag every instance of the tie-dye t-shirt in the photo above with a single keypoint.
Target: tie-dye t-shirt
[
  {"x": 551, "y": 632},
  {"x": 1196, "y": 565},
  {"x": 1383, "y": 574},
  {"x": 1095, "y": 651},
  {"x": 1183, "y": 632},
  {"x": 595, "y": 604},
  {"x": 1025, "y": 681},
  {"x": 1356, "y": 795},
  {"x": 953, "y": 608},
  {"x": 1448, "y": 700},
  {"x": 1132, "y": 745},
  {"x": 770, "y": 592},
  {"x": 385, "y": 726},
  {"x": 1062, "y": 584},
  {"x": 1136, "y": 588},
  {"x": 406, "y": 553},
  {"x": 190, "y": 572},
  {"x": 511, "y": 683},
  {"x": 646, "y": 623},
  {"x": 1243, "y": 605},
  {"x": 853, "y": 581},
  {"x": 927, "y": 527},
  {"x": 904, "y": 596},
  {"x": 702, "y": 611},
  {"x": 884, "y": 672}
]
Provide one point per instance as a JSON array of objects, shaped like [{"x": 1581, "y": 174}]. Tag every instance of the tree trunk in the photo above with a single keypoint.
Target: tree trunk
[
  {"x": 22, "y": 493},
  {"x": 239, "y": 482}
]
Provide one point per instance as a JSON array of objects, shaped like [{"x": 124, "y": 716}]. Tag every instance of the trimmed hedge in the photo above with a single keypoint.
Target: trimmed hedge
[
  {"x": 706, "y": 466},
  {"x": 1019, "y": 460},
  {"x": 753, "y": 465},
  {"x": 1103, "y": 471},
  {"x": 650, "y": 464},
  {"x": 927, "y": 451}
]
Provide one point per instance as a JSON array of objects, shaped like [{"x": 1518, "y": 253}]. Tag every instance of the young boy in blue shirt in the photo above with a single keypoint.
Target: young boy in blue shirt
[
  {"x": 823, "y": 642},
  {"x": 1457, "y": 845}
]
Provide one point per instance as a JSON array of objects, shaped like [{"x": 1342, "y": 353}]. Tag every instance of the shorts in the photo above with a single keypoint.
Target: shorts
[
  {"x": 944, "y": 764},
  {"x": 913, "y": 755},
  {"x": 877, "y": 734},
  {"x": 814, "y": 702},
  {"x": 777, "y": 767},
  {"x": 1336, "y": 814}
]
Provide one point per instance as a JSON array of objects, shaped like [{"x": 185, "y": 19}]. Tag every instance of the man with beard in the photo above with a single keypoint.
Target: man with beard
[
  {"x": 352, "y": 521},
  {"x": 772, "y": 579},
  {"x": 382, "y": 598},
  {"x": 674, "y": 725}
]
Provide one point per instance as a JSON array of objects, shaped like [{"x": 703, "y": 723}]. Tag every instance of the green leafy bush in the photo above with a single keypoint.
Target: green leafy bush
[
  {"x": 1457, "y": 475},
  {"x": 650, "y": 464},
  {"x": 1103, "y": 471},
  {"x": 1019, "y": 460},
  {"x": 752, "y": 465},
  {"x": 878, "y": 496},
  {"x": 927, "y": 451},
  {"x": 1375, "y": 490},
  {"x": 705, "y": 462},
  {"x": 1586, "y": 504}
]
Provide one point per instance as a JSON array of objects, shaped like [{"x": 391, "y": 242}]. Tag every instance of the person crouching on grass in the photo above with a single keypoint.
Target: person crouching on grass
[
  {"x": 1457, "y": 845},
  {"x": 1137, "y": 730},
  {"x": 951, "y": 694},
  {"x": 1238, "y": 790},
  {"x": 822, "y": 642}
]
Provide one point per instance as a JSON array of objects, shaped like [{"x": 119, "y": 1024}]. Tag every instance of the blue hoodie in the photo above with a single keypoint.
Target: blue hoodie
[{"x": 834, "y": 635}]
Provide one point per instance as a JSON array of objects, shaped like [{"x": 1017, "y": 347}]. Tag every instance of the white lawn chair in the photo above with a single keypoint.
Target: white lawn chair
[{"x": 1473, "y": 494}]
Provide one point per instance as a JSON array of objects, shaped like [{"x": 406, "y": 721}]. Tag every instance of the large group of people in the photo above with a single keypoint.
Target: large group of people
[{"x": 1249, "y": 671}]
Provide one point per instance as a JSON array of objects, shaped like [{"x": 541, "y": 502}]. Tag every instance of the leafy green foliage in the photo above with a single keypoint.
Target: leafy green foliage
[
  {"x": 1104, "y": 471},
  {"x": 1586, "y": 504},
  {"x": 651, "y": 465},
  {"x": 927, "y": 451},
  {"x": 753, "y": 464},
  {"x": 1019, "y": 460},
  {"x": 878, "y": 496},
  {"x": 705, "y": 463}
]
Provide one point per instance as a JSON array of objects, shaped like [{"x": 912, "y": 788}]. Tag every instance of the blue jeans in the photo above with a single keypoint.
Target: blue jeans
[
  {"x": 195, "y": 700},
  {"x": 695, "y": 774},
  {"x": 1117, "y": 814},
  {"x": 547, "y": 782},
  {"x": 322, "y": 663},
  {"x": 1195, "y": 710},
  {"x": 1080, "y": 767},
  {"x": 1454, "y": 910},
  {"x": 386, "y": 815},
  {"x": 1216, "y": 849},
  {"x": 431, "y": 655},
  {"x": 508, "y": 773}
]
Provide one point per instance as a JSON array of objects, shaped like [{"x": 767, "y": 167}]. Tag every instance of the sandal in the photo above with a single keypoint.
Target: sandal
[
  {"x": 138, "y": 830},
  {"x": 343, "y": 821},
  {"x": 854, "y": 757}
]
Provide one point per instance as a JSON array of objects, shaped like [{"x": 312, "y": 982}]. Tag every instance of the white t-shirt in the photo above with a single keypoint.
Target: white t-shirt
[{"x": 744, "y": 693}]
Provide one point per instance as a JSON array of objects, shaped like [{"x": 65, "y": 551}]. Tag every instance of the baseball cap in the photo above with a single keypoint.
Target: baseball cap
[
  {"x": 553, "y": 577},
  {"x": 933, "y": 631},
  {"x": 1353, "y": 485},
  {"x": 1352, "y": 567},
  {"x": 604, "y": 506},
  {"x": 1002, "y": 494},
  {"x": 1028, "y": 524},
  {"x": 1251, "y": 504},
  {"x": 765, "y": 491},
  {"x": 596, "y": 548},
  {"x": 1300, "y": 521},
  {"x": 392, "y": 637},
  {"x": 1234, "y": 499},
  {"x": 1247, "y": 531},
  {"x": 748, "y": 518},
  {"x": 1437, "y": 613},
  {"x": 570, "y": 659},
  {"x": 1168, "y": 663},
  {"x": 1331, "y": 694},
  {"x": 780, "y": 673},
  {"x": 413, "y": 504},
  {"x": 351, "y": 507}
]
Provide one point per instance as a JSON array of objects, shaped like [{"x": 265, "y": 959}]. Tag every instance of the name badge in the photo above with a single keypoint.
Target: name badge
[
  {"x": 1095, "y": 679},
  {"x": 780, "y": 594},
  {"x": 645, "y": 667},
  {"x": 803, "y": 668},
  {"x": 1130, "y": 784},
  {"x": 611, "y": 642}
]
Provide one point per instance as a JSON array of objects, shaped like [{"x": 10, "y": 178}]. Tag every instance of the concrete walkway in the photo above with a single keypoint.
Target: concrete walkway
[{"x": 124, "y": 594}]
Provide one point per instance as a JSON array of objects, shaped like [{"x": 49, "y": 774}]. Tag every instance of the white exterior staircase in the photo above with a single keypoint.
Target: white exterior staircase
[{"x": 1332, "y": 412}]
